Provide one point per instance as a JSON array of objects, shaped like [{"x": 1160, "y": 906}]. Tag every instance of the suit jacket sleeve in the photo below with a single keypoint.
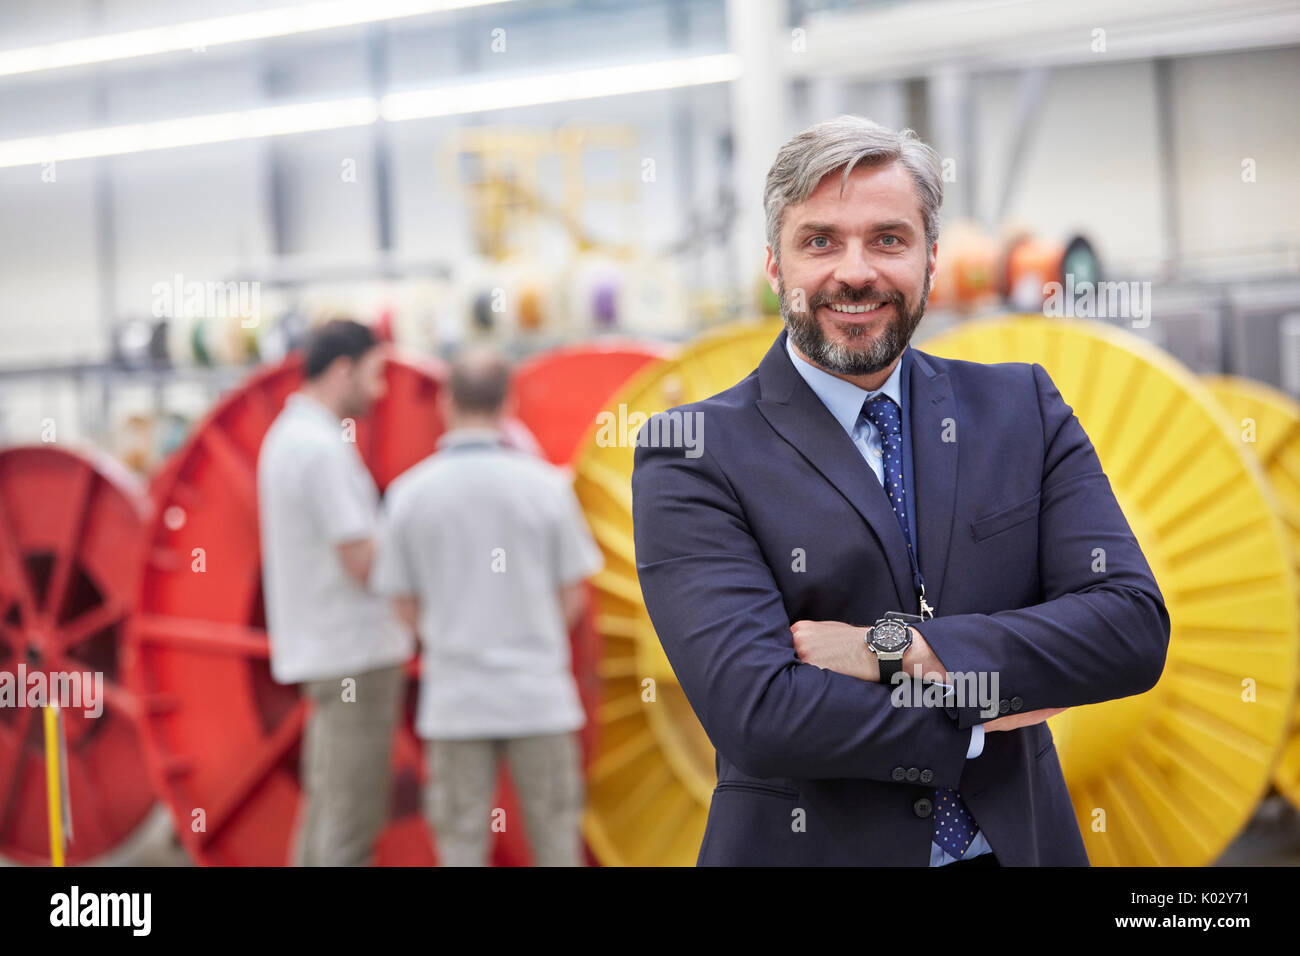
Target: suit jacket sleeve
[
  {"x": 722, "y": 623},
  {"x": 1101, "y": 631}
]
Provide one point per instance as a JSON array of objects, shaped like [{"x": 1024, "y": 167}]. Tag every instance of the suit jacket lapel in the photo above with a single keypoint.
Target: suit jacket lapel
[
  {"x": 798, "y": 416},
  {"x": 934, "y": 466}
]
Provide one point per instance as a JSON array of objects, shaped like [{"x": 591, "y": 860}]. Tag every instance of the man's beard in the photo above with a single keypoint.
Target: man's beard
[{"x": 874, "y": 355}]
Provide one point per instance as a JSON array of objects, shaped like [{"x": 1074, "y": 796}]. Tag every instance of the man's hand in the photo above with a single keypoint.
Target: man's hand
[
  {"x": 407, "y": 609},
  {"x": 834, "y": 646},
  {"x": 1027, "y": 719},
  {"x": 919, "y": 655},
  {"x": 357, "y": 558}
]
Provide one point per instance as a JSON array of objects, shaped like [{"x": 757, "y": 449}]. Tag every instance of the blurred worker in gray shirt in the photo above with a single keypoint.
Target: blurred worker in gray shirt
[
  {"x": 319, "y": 511},
  {"x": 485, "y": 551}
]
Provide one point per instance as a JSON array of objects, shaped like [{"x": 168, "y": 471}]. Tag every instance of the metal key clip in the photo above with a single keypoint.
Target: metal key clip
[{"x": 925, "y": 608}]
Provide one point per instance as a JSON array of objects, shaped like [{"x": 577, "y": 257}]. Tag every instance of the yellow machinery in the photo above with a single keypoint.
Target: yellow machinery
[
  {"x": 1164, "y": 778},
  {"x": 502, "y": 171},
  {"x": 1268, "y": 423}
]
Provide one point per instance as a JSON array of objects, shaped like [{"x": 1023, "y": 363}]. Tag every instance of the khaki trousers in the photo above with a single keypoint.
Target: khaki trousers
[
  {"x": 547, "y": 773},
  {"x": 346, "y": 747}
]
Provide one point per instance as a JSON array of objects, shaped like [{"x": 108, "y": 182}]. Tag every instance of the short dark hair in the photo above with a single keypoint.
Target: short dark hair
[
  {"x": 337, "y": 338},
  {"x": 479, "y": 379}
]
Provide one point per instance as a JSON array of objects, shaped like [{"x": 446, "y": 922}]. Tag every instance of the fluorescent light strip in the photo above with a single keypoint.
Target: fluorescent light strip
[
  {"x": 484, "y": 96},
  {"x": 219, "y": 31},
  {"x": 191, "y": 131},
  {"x": 362, "y": 111}
]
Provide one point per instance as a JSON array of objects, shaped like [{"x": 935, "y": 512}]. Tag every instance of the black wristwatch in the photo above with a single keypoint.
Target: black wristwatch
[{"x": 889, "y": 638}]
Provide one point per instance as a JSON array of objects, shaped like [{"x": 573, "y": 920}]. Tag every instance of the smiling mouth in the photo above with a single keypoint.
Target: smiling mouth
[{"x": 852, "y": 312}]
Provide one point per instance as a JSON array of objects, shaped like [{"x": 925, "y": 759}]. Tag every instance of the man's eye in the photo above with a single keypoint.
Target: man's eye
[
  {"x": 816, "y": 239},
  {"x": 895, "y": 239}
]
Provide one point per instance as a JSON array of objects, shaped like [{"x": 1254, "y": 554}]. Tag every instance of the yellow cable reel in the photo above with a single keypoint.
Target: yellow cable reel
[
  {"x": 651, "y": 779},
  {"x": 1164, "y": 778},
  {"x": 1267, "y": 423},
  {"x": 1169, "y": 777}
]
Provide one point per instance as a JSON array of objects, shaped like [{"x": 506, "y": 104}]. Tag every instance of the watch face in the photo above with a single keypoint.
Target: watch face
[{"x": 889, "y": 636}]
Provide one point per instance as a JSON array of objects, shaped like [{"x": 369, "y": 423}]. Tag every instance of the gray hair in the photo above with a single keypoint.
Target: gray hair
[{"x": 843, "y": 143}]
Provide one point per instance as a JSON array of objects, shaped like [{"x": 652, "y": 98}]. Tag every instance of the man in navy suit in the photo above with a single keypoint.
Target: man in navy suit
[{"x": 849, "y": 477}]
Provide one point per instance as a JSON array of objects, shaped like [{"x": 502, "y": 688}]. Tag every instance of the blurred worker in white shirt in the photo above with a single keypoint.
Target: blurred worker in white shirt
[
  {"x": 319, "y": 509},
  {"x": 485, "y": 552}
]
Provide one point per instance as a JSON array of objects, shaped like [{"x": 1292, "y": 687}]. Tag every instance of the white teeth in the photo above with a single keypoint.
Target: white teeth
[{"x": 855, "y": 309}]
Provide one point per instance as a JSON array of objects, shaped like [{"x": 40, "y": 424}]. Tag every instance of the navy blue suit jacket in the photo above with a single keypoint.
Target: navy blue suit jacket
[{"x": 1009, "y": 510}]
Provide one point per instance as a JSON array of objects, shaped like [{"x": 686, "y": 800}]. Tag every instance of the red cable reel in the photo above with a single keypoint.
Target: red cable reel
[
  {"x": 71, "y": 538},
  {"x": 222, "y": 736}
]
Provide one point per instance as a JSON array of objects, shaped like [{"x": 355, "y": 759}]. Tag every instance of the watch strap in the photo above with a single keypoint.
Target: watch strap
[
  {"x": 900, "y": 616},
  {"x": 888, "y": 668}
]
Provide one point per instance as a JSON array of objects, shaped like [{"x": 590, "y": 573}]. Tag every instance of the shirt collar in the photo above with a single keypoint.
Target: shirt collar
[
  {"x": 843, "y": 399},
  {"x": 466, "y": 436},
  {"x": 302, "y": 402}
]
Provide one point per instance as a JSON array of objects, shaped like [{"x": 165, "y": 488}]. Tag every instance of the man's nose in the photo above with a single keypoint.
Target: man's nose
[{"x": 855, "y": 267}]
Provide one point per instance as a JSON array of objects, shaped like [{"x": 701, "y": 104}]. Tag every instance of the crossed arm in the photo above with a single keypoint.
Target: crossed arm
[
  {"x": 720, "y": 617},
  {"x": 1102, "y": 630},
  {"x": 841, "y": 647}
]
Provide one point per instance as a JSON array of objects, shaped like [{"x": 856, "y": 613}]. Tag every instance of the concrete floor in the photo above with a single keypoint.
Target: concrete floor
[{"x": 1272, "y": 838}]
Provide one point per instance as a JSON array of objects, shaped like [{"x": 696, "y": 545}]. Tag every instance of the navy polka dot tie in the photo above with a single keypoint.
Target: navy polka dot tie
[{"x": 954, "y": 827}]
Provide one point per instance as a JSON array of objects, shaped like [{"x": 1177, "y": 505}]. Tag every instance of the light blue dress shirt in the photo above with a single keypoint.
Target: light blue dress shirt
[{"x": 844, "y": 401}]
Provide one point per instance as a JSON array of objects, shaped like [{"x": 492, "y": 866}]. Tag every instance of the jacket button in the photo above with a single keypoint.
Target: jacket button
[
  {"x": 1017, "y": 703},
  {"x": 899, "y": 774},
  {"x": 913, "y": 774},
  {"x": 922, "y": 807},
  {"x": 1004, "y": 705},
  {"x": 927, "y": 776}
]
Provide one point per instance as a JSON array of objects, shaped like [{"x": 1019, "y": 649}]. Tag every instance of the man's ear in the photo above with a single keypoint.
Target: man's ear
[
  {"x": 442, "y": 402},
  {"x": 335, "y": 375},
  {"x": 773, "y": 272}
]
